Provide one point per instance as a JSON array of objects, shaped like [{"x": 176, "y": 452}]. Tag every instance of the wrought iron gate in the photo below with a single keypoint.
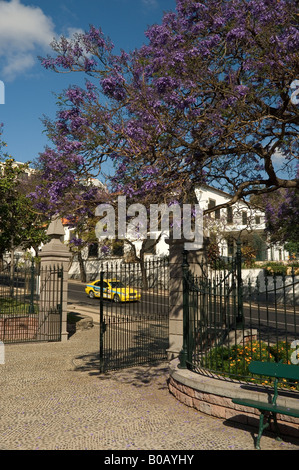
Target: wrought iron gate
[
  {"x": 30, "y": 304},
  {"x": 133, "y": 332},
  {"x": 50, "y": 304}
]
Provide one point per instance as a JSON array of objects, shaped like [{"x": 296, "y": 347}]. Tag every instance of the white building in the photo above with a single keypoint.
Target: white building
[
  {"x": 224, "y": 225},
  {"x": 239, "y": 221}
]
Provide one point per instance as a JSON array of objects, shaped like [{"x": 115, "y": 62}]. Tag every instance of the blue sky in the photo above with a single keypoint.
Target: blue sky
[{"x": 27, "y": 28}]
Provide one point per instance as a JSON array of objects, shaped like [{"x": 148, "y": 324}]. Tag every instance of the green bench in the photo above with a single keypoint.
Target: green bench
[{"x": 278, "y": 371}]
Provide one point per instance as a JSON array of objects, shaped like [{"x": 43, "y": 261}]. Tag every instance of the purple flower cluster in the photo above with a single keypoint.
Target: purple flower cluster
[
  {"x": 77, "y": 242},
  {"x": 113, "y": 87},
  {"x": 105, "y": 249}
]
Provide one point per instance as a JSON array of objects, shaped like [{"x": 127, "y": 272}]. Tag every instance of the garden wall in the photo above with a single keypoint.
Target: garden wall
[
  {"x": 18, "y": 328},
  {"x": 280, "y": 290}
]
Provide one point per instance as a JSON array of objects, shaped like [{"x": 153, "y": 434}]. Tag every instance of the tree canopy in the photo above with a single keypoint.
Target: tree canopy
[
  {"x": 20, "y": 224},
  {"x": 207, "y": 99}
]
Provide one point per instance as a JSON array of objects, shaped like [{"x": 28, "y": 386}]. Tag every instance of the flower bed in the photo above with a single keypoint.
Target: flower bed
[{"x": 234, "y": 361}]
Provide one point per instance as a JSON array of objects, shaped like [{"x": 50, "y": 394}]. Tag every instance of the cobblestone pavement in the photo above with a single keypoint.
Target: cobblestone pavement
[{"x": 53, "y": 397}]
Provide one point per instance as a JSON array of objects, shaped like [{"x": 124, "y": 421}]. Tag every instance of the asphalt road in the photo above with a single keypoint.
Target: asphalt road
[
  {"x": 76, "y": 294},
  {"x": 271, "y": 318},
  {"x": 151, "y": 302}
]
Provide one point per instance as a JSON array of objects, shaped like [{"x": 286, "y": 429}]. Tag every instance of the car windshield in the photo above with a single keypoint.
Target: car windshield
[{"x": 116, "y": 284}]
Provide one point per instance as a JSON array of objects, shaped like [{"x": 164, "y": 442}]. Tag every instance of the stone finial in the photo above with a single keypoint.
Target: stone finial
[
  {"x": 55, "y": 229},
  {"x": 55, "y": 248}
]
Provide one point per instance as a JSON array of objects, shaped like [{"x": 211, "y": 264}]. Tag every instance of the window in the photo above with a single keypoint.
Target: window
[
  {"x": 244, "y": 218},
  {"x": 93, "y": 250},
  {"x": 229, "y": 215},
  {"x": 211, "y": 205},
  {"x": 150, "y": 246},
  {"x": 118, "y": 248},
  {"x": 257, "y": 219},
  {"x": 98, "y": 284}
]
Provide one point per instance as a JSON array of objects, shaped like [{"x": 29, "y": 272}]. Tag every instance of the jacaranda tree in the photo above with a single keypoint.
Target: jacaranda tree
[{"x": 209, "y": 98}]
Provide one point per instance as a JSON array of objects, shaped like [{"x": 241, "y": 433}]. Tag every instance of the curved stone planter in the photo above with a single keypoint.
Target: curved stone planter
[{"x": 214, "y": 397}]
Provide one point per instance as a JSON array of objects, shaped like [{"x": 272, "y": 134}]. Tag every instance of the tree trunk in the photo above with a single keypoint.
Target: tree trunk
[
  {"x": 82, "y": 267},
  {"x": 143, "y": 271}
]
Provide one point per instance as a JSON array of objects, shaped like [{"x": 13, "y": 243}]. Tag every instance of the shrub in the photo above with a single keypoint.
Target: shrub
[
  {"x": 281, "y": 269},
  {"x": 249, "y": 256}
]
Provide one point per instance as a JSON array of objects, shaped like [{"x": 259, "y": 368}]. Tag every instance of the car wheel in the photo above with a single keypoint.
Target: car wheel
[
  {"x": 91, "y": 294},
  {"x": 116, "y": 298}
]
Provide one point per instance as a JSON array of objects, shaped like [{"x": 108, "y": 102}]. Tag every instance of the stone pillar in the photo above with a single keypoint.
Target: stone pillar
[
  {"x": 54, "y": 255},
  {"x": 176, "y": 258}
]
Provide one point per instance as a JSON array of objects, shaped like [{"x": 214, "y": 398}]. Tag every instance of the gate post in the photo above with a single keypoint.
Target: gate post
[
  {"x": 55, "y": 257},
  {"x": 240, "y": 318},
  {"x": 176, "y": 291},
  {"x": 184, "y": 351}
]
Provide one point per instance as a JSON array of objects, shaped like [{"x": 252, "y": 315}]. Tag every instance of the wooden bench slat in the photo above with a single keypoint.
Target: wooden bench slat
[
  {"x": 275, "y": 369},
  {"x": 267, "y": 407}
]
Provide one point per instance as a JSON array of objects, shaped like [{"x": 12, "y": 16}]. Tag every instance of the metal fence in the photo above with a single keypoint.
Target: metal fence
[
  {"x": 134, "y": 313},
  {"x": 30, "y": 303},
  {"x": 229, "y": 320}
]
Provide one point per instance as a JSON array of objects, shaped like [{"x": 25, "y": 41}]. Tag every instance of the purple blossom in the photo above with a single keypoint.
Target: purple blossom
[
  {"x": 113, "y": 87},
  {"x": 164, "y": 84},
  {"x": 75, "y": 95},
  {"x": 149, "y": 185},
  {"x": 105, "y": 249},
  {"x": 150, "y": 171},
  {"x": 75, "y": 241}
]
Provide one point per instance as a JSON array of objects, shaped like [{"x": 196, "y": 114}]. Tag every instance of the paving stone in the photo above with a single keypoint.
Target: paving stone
[{"x": 53, "y": 397}]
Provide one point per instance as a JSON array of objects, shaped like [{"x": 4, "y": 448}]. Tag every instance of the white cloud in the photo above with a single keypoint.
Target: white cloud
[
  {"x": 278, "y": 157},
  {"x": 23, "y": 31},
  {"x": 17, "y": 63},
  {"x": 72, "y": 31},
  {"x": 150, "y": 3}
]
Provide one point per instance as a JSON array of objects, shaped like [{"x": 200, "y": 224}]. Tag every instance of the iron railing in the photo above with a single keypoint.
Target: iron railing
[
  {"x": 30, "y": 303},
  {"x": 230, "y": 320}
]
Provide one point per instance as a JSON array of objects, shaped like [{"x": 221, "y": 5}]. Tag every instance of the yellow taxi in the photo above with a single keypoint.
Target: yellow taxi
[{"x": 113, "y": 289}]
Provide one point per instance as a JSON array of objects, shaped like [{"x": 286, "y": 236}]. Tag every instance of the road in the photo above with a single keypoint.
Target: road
[
  {"x": 76, "y": 294},
  {"x": 267, "y": 319},
  {"x": 151, "y": 302},
  {"x": 273, "y": 323}
]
